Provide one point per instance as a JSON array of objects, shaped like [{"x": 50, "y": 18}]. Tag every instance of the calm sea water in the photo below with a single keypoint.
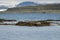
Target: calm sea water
[
  {"x": 8, "y": 32},
  {"x": 29, "y": 16}
]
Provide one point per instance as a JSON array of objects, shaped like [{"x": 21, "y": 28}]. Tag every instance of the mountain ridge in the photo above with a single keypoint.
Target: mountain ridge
[{"x": 27, "y": 4}]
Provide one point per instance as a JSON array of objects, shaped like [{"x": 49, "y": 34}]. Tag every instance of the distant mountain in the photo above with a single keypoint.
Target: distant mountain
[
  {"x": 27, "y": 4},
  {"x": 3, "y": 7}
]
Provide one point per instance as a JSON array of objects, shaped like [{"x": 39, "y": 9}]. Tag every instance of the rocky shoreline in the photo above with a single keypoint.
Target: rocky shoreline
[{"x": 30, "y": 23}]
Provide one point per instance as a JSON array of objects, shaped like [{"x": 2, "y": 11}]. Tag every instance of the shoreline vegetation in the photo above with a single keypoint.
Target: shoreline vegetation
[
  {"x": 30, "y": 11},
  {"x": 48, "y": 8},
  {"x": 37, "y": 23}
]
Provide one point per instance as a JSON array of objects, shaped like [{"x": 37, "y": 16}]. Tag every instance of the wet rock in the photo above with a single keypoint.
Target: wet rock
[
  {"x": 1, "y": 20},
  {"x": 34, "y": 23}
]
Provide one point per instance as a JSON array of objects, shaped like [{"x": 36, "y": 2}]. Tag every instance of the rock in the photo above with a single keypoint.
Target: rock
[
  {"x": 1, "y": 20},
  {"x": 34, "y": 23}
]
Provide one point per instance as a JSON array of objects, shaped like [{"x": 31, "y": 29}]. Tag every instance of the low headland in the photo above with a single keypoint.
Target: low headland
[{"x": 49, "y": 8}]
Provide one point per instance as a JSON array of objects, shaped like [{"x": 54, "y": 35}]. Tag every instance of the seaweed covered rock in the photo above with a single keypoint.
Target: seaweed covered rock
[
  {"x": 1, "y": 20},
  {"x": 34, "y": 23}
]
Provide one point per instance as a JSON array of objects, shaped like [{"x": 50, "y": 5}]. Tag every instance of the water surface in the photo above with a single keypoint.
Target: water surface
[
  {"x": 30, "y": 16},
  {"x": 8, "y": 32}
]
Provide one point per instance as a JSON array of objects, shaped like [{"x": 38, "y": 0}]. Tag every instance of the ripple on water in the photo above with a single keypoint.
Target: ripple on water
[{"x": 29, "y": 33}]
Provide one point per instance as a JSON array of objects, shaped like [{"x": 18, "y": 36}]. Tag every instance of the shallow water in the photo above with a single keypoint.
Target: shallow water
[{"x": 9, "y": 32}]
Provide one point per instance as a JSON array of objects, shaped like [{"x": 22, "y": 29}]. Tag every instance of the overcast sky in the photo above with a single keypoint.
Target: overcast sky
[{"x": 14, "y": 2}]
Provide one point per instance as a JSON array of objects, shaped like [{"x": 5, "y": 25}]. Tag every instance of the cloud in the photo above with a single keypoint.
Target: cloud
[
  {"x": 10, "y": 3},
  {"x": 39, "y": 1}
]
